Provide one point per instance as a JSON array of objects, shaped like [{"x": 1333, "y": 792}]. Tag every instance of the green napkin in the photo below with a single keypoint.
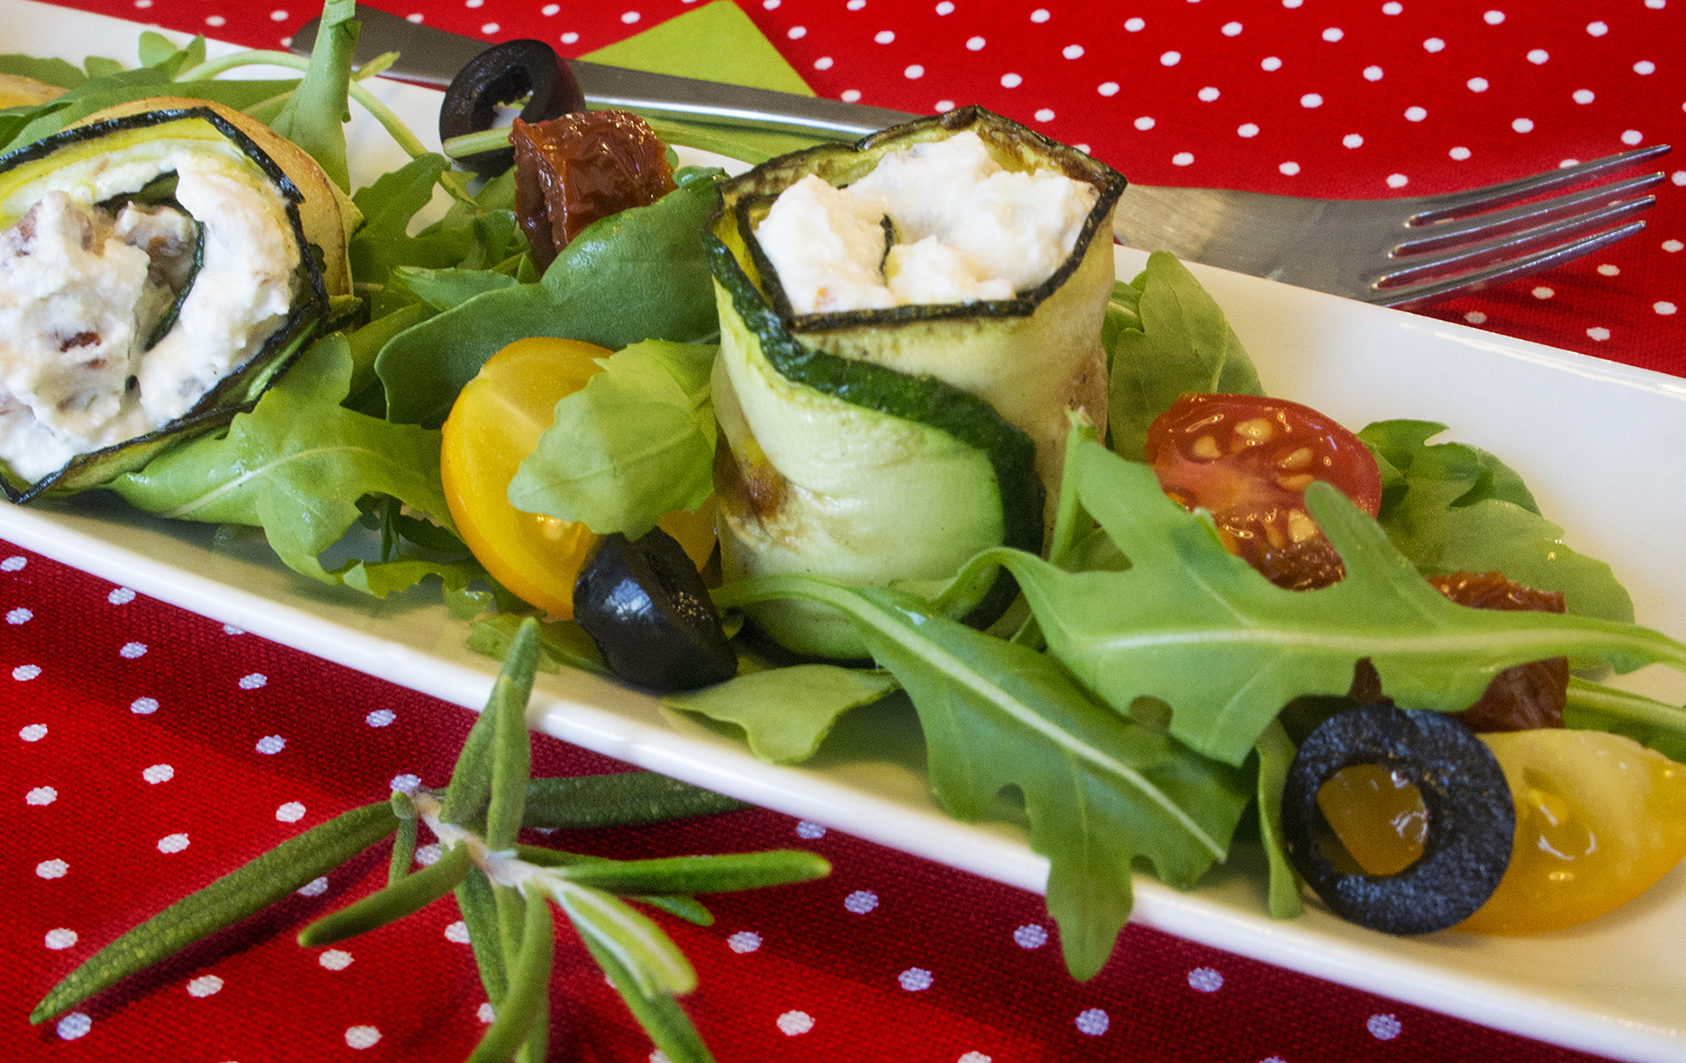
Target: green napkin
[{"x": 715, "y": 42}]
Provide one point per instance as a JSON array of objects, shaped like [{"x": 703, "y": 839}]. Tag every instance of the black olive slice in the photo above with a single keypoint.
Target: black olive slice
[
  {"x": 501, "y": 75},
  {"x": 1471, "y": 818},
  {"x": 645, "y": 606}
]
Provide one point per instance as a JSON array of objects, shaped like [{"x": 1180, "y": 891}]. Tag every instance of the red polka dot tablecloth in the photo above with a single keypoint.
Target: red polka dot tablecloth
[{"x": 147, "y": 750}]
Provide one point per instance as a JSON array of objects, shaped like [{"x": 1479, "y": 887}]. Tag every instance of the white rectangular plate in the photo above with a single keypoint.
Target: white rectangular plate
[{"x": 1593, "y": 439}]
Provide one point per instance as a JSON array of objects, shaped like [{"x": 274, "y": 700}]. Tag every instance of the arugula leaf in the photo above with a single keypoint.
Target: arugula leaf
[
  {"x": 636, "y": 442},
  {"x": 314, "y": 117},
  {"x": 443, "y": 289},
  {"x": 786, "y": 713},
  {"x": 1654, "y": 724},
  {"x": 1180, "y": 341},
  {"x": 1098, "y": 788},
  {"x": 49, "y": 71},
  {"x": 1198, "y": 628},
  {"x": 1451, "y": 507},
  {"x": 296, "y": 465},
  {"x": 637, "y": 275}
]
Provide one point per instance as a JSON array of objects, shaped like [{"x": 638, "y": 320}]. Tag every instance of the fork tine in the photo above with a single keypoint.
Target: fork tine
[
  {"x": 1511, "y": 245},
  {"x": 1454, "y": 204},
  {"x": 1500, "y": 272},
  {"x": 1543, "y": 212}
]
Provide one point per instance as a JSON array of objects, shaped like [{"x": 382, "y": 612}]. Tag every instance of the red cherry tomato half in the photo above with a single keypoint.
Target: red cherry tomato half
[{"x": 1248, "y": 460}]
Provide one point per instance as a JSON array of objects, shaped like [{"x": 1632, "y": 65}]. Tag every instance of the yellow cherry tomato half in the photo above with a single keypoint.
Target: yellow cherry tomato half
[
  {"x": 1599, "y": 819},
  {"x": 495, "y": 422}
]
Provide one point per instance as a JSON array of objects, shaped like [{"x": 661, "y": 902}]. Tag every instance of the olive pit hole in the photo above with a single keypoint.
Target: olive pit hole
[{"x": 1374, "y": 820}]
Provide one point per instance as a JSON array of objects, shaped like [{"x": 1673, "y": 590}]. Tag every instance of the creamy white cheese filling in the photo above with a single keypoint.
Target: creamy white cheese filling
[
  {"x": 82, "y": 289},
  {"x": 966, "y": 230}
]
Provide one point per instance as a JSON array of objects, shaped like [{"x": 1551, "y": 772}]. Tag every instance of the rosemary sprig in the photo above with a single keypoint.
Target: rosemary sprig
[{"x": 504, "y": 890}]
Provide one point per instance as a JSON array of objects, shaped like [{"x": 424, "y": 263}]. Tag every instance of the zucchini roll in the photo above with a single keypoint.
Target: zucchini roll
[
  {"x": 905, "y": 324},
  {"x": 160, "y": 264}
]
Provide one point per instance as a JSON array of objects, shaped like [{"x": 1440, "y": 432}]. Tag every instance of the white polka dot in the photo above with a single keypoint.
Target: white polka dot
[
  {"x": 945, "y": 8},
  {"x": 1247, "y": 129},
  {"x": 13, "y": 563},
  {"x": 291, "y": 812},
  {"x": 1433, "y": 44},
  {"x": 1582, "y": 96},
  {"x": 1397, "y": 180},
  {"x": 158, "y": 773},
  {"x": 1134, "y": 25},
  {"x": 1144, "y": 123},
  {"x": 793, "y": 1023},
  {"x": 486, "y": 1013},
  {"x": 975, "y": 1057},
  {"x": 1205, "y": 979},
  {"x": 913, "y": 72},
  {"x": 314, "y": 888},
  {"x": 1645, "y": 66},
  {"x": 334, "y": 960},
  {"x": 1538, "y": 56},
  {"x": 1093, "y": 1022},
  {"x": 253, "y": 681},
  {"x": 76, "y": 1024},
  {"x": 1477, "y": 84},
  {"x": 549, "y": 10},
  {"x": 1170, "y": 58},
  {"x": 121, "y": 596},
  {"x": 1493, "y": 18},
  {"x": 1671, "y": 246},
  {"x": 457, "y": 932},
  {"x": 1352, "y": 140},
  {"x": 1460, "y": 153},
  {"x": 143, "y": 706},
  {"x": 1084, "y": 148},
  {"x": 380, "y": 718},
  {"x": 1598, "y": 333},
  {"x": 1392, "y": 7},
  {"x": 861, "y": 902},
  {"x": 41, "y": 795},
  {"x": 1011, "y": 81},
  {"x": 1415, "y": 114},
  {"x": 1183, "y": 158},
  {"x": 1523, "y": 125},
  {"x": 915, "y": 979},
  {"x": 943, "y": 107},
  {"x": 1597, "y": 29},
  {"x": 1476, "y": 317},
  {"x": 1333, "y": 34},
  {"x": 20, "y": 615},
  {"x": 60, "y": 938},
  {"x": 1030, "y": 936},
  {"x": 51, "y": 869},
  {"x": 1289, "y": 168},
  {"x": 1656, "y": 5},
  {"x": 744, "y": 941},
  {"x": 570, "y": 38},
  {"x": 1311, "y": 99},
  {"x": 215, "y": 20},
  {"x": 770, "y": 5},
  {"x": 1372, "y": 73},
  {"x": 269, "y": 745},
  {"x": 33, "y": 733},
  {"x": 1043, "y": 115},
  {"x": 1040, "y": 15},
  {"x": 1291, "y": 4},
  {"x": 975, "y": 44},
  {"x": 628, "y": 18},
  {"x": 1270, "y": 62},
  {"x": 1107, "y": 88},
  {"x": 415, "y": 17},
  {"x": 23, "y": 673},
  {"x": 855, "y": 5},
  {"x": 1383, "y": 1027},
  {"x": 1632, "y": 137},
  {"x": 823, "y": 63},
  {"x": 850, "y": 95},
  {"x": 172, "y": 843},
  {"x": 204, "y": 986},
  {"x": 1664, "y": 307},
  {"x": 428, "y": 855},
  {"x": 1231, "y": 29},
  {"x": 1072, "y": 51},
  {"x": 404, "y": 783},
  {"x": 368, "y": 1036},
  {"x": 1678, "y": 177},
  {"x": 884, "y": 37},
  {"x": 1207, "y": 94},
  {"x": 132, "y": 650}
]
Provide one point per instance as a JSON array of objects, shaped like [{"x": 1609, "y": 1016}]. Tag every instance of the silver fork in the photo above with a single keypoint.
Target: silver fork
[{"x": 1394, "y": 252}]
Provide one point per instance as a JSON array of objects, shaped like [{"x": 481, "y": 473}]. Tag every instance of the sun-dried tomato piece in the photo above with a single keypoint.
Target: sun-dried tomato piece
[
  {"x": 1520, "y": 698},
  {"x": 572, "y": 170}
]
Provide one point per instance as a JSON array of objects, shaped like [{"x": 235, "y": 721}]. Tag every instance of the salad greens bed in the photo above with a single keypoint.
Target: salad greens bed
[{"x": 1132, "y": 705}]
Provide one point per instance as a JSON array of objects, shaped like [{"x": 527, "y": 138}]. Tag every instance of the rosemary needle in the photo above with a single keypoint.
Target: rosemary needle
[
  {"x": 529, "y": 984},
  {"x": 409, "y": 894}
]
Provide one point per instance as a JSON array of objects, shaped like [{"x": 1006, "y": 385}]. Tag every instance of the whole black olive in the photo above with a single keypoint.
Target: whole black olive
[
  {"x": 501, "y": 75},
  {"x": 645, "y": 606},
  {"x": 1471, "y": 817}
]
